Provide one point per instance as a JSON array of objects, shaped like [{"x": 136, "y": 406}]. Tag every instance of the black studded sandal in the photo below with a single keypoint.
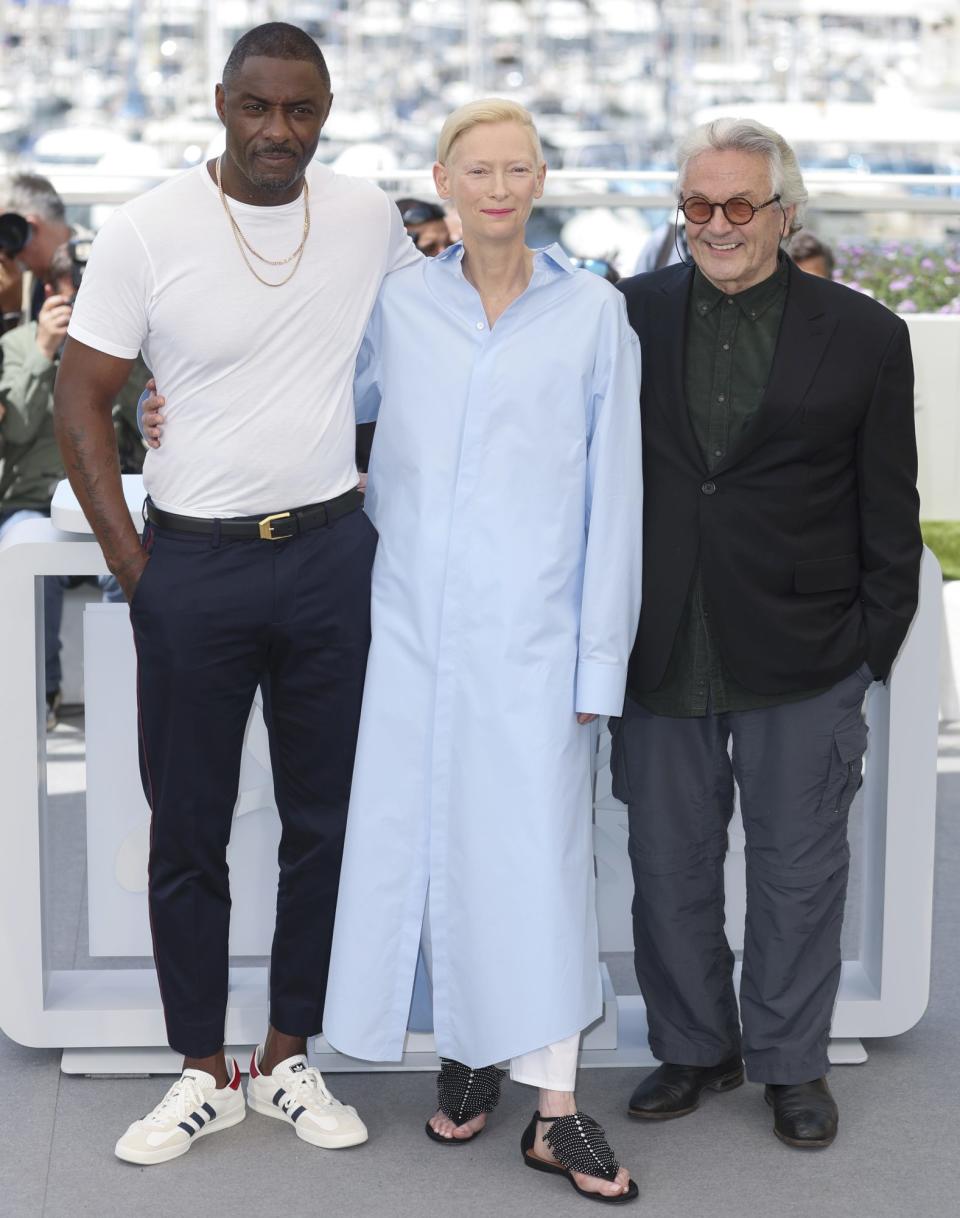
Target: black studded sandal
[
  {"x": 580, "y": 1146},
  {"x": 463, "y": 1094}
]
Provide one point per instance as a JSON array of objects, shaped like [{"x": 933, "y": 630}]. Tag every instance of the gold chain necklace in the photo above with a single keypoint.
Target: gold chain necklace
[{"x": 242, "y": 242}]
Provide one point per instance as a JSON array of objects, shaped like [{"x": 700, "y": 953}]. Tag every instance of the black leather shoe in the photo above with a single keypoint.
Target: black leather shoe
[
  {"x": 804, "y": 1114},
  {"x": 673, "y": 1091}
]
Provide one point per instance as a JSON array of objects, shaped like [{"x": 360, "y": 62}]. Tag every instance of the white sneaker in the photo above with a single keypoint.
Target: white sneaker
[
  {"x": 297, "y": 1094},
  {"x": 193, "y": 1107}
]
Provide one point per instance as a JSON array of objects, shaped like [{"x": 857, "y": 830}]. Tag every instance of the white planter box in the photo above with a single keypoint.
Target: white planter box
[{"x": 936, "y": 356}]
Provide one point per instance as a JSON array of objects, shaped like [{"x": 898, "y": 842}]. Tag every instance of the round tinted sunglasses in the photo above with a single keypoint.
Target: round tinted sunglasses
[{"x": 737, "y": 210}]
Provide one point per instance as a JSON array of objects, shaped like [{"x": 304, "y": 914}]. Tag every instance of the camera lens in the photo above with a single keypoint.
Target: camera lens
[{"x": 14, "y": 233}]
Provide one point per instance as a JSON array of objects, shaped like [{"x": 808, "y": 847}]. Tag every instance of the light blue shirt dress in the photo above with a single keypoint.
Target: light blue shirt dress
[{"x": 506, "y": 486}]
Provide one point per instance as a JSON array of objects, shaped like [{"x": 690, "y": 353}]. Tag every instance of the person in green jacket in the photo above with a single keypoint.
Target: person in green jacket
[
  {"x": 32, "y": 465},
  {"x": 31, "y": 460}
]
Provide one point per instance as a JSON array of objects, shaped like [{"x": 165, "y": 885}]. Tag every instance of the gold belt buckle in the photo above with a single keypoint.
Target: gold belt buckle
[{"x": 266, "y": 527}]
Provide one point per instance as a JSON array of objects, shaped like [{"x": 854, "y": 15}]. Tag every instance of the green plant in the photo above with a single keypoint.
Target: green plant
[
  {"x": 943, "y": 538},
  {"x": 908, "y": 277}
]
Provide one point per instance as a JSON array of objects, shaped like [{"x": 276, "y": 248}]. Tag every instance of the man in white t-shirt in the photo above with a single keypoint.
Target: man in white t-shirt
[{"x": 249, "y": 305}]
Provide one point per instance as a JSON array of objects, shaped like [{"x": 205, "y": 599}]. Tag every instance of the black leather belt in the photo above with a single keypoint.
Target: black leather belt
[{"x": 278, "y": 526}]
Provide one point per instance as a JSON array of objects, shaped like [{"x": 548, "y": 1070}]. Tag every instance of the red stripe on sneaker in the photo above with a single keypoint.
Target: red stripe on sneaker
[
  {"x": 235, "y": 1081},
  {"x": 254, "y": 1072}
]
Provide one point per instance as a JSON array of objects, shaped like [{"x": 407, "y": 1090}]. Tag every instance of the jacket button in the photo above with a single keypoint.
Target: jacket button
[{"x": 708, "y": 488}]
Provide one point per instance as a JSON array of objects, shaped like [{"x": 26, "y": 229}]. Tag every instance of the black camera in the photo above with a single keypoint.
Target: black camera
[
  {"x": 79, "y": 247},
  {"x": 15, "y": 232}
]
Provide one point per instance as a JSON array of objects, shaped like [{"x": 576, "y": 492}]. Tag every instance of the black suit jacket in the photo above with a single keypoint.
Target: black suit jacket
[{"x": 808, "y": 530}]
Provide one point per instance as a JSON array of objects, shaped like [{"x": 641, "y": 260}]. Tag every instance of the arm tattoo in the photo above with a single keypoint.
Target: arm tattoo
[{"x": 94, "y": 472}]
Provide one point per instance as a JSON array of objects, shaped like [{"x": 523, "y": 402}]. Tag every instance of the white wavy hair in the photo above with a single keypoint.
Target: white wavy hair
[{"x": 747, "y": 135}]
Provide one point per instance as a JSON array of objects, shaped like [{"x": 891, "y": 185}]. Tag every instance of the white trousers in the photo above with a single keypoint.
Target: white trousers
[{"x": 553, "y": 1068}]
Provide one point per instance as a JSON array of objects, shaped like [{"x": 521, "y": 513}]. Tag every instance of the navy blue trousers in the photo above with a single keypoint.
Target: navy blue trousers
[{"x": 212, "y": 620}]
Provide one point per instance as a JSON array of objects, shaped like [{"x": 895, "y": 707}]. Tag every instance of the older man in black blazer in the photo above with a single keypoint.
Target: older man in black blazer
[{"x": 782, "y": 551}]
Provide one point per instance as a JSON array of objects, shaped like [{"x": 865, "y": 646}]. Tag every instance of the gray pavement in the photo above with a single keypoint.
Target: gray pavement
[{"x": 897, "y": 1155}]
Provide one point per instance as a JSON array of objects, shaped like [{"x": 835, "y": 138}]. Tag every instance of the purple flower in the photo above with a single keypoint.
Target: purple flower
[
  {"x": 907, "y": 306},
  {"x": 928, "y": 264},
  {"x": 901, "y": 285}
]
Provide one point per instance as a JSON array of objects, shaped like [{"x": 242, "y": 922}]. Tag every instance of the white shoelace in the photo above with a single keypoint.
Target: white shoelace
[
  {"x": 183, "y": 1098},
  {"x": 308, "y": 1088}
]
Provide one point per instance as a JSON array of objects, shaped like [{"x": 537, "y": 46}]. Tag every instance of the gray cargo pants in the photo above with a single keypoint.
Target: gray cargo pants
[{"x": 798, "y": 767}]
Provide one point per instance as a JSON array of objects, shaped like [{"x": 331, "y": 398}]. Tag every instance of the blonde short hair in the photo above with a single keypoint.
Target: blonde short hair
[{"x": 486, "y": 110}]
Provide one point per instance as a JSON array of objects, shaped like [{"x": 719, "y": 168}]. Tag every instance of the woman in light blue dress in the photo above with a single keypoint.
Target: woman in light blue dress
[{"x": 505, "y": 483}]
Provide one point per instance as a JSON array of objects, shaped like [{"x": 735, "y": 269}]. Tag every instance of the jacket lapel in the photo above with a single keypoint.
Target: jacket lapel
[
  {"x": 668, "y": 330},
  {"x": 805, "y": 331}
]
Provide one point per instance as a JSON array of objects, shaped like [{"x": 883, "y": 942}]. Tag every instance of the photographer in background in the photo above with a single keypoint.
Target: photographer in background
[
  {"x": 33, "y": 227},
  {"x": 32, "y": 466},
  {"x": 31, "y": 460},
  {"x": 427, "y": 225}
]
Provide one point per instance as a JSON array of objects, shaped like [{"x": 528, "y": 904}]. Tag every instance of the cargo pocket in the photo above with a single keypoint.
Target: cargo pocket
[{"x": 845, "y": 776}]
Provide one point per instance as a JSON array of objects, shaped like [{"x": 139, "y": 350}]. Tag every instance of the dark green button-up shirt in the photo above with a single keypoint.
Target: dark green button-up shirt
[{"x": 729, "y": 353}]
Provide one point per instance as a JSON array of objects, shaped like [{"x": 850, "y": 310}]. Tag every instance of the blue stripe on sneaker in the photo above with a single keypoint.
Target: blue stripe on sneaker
[
  {"x": 187, "y": 1128},
  {"x": 279, "y": 1096},
  {"x": 297, "y": 1113},
  {"x": 195, "y": 1116},
  {"x": 211, "y": 1112}
]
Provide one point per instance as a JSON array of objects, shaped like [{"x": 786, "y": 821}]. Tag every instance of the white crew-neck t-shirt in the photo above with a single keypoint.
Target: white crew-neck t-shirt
[{"x": 258, "y": 380}]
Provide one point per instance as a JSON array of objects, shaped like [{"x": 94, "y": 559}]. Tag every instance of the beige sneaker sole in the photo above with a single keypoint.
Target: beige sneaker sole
[
  {"x": 316, "y": 1137},
  {"x": 146, "y": 1158}
]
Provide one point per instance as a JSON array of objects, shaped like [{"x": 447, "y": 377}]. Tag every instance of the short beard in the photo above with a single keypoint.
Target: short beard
[{"x": 276, "y": 185}]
